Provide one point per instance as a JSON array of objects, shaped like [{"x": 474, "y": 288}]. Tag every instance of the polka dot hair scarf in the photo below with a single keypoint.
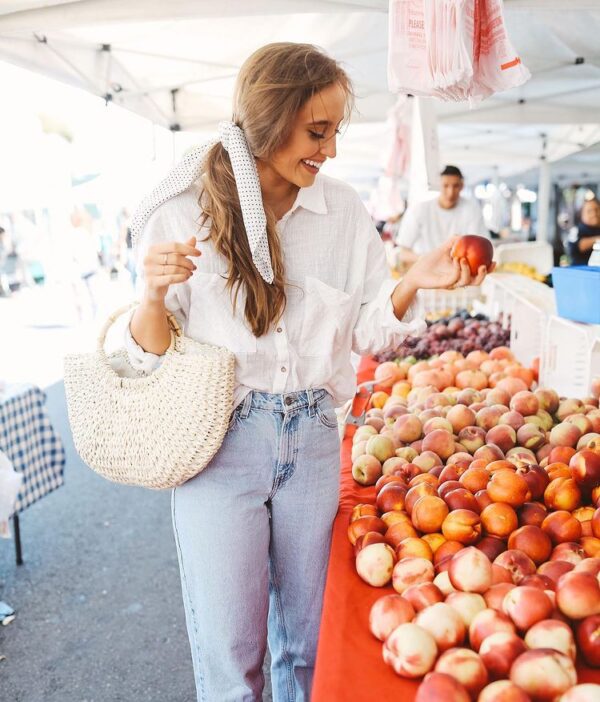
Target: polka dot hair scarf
[{"x": 248, "y": 185}]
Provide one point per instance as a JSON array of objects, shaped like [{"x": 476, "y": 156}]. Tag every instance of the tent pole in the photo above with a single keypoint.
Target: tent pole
[{"x": 543, "y": 201}]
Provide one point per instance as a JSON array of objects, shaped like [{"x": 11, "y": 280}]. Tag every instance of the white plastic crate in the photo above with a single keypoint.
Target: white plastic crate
[
  {"x": 446, "y": 302},
  {"x": 570, "y": 357},
  {"x": 538, "y": 254},
  {"x": 525, "y": 305}
]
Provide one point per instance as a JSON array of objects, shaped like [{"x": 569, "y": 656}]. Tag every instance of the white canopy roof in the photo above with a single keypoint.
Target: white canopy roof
[{"x": 175, "y": 62}]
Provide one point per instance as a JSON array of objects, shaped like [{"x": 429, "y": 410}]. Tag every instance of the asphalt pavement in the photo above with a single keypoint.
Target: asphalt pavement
[{"x": 98, "y": 598}]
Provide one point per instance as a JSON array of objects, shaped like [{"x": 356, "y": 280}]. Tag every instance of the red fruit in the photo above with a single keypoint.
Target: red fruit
[
  {"x": 588, "y": 639},
  {"x": 476, "y": 249}
]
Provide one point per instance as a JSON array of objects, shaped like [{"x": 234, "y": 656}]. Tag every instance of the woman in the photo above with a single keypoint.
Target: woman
[
  {"x": 587, "y": 233},
  {"x": 253, "y": 529}
]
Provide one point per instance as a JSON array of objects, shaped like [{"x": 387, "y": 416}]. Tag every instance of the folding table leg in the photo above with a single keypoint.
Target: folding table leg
[{"x": 17, "y": 539}]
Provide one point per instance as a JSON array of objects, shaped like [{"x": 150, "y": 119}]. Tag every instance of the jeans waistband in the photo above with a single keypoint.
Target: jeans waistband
[{"x": 285, "y": 402}]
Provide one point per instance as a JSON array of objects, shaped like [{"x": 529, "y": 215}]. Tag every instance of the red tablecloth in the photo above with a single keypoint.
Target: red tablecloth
[{"x": 349, "y": 664}]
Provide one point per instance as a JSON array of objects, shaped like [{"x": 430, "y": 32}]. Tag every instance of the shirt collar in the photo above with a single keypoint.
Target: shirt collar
[{"x": 312, "y": 198}]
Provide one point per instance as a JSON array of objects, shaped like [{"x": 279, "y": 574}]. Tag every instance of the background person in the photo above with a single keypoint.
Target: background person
[
  {"x": 253, "y": 529},
  {"x": 427, "y": 225},
  {"x": 586, "y": 234}
]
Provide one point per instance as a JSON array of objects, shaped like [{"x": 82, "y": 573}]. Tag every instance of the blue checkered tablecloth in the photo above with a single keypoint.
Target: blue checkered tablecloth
[{"x": 29, "y": 440}]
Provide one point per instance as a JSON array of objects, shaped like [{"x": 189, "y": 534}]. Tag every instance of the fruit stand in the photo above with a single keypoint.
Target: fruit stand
[{"x": 350, "y": 662}]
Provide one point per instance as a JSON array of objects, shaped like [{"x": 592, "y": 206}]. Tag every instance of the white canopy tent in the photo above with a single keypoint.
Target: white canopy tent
[{"x": 175, "y": 63}]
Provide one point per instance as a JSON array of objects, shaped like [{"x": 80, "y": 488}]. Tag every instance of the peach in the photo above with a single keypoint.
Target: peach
[
  {"x": 502, "y": 691},
  {"x": 407, "y": 428},
  {"x": 427, "y": 460},
  {"x": 501, "y": 575},
  {"x": 396, "y": 534},
  {"x": 407, "y": 453},
  {"x": 521, "y": 454},
  {"x": 562, "y": 494},
  {"x": 415, "y": 493},
  {"x": 509, "y": 487},
  {"x": 442, "y": 582},
  {"x": 587, "y": 692},
  {"x": 543, "y": 673},
  {"x": 588, "y": 639},
  {"x": 446, "y": 551},
  {"x": 472, "y": 438},
  {"x": 568, "y": 551},
  {"x": 589, "y": 440},
  {"x": 588, "y": 565},
  {"x": 434, "y": 540},
  {"x": 511, "y": 385},
  {"x": 392, "y": 464},
  {"x": 465, "y": 666},
  {"x": 567, "y": 407},
  {"x": 459, "y": 458},
  {"x": 532, "y": 541},
  {"x": 525, "y": 403},
  {"x": 429, "y": 513},
  {"x": 536, "y": 478},
  {"x": 531, "y": 436},
  {"x": 470, "y": 571},
  {"x": 413, "y": 547},
  {"x": 366, "y": 469},
  {"x": 547, "y": 422},
  {"x": 460, "y": 417},
  {"x": 483, "y": 499},
  {"x": 499, "y": 519},
  {"x": 554, "y": 570},
  {"x": 358, "y": 450},
  {"x": 590, "y": 545},
  {"x": 471, "y": 379},
  {"x": 490, "y": 453},
  {"x": 578, "y": 595},
  {"x": 371, "y": 537},
  {"x": 444, "y": 624},
  {"x": 497, "y": 396},
  {"x": 550, "y": 633},
  {"x": 363, "y": 510},
  {"x": 449, "y": 481},
  {"x": 492, "y": 547},
  {"x": 548, "y": 399},
  {"x": 392, "y": 411},
  {"x": 387, "y": 613},
  {"x": 463, "y": 526},
  {"x": 562, "y": 526},
  {"x": 391, "y": 497},
  {"x": 488, "y": 417},
  {"x": 585, "y": 467},
  {"x": 375, "y": 563},
  {"x": 461, "y": 499},
  {"x": 532, "y": 513},
  {"x": 527, "y": 606},
  {"x": 558, "y": 470},
  {"x": 494, "y": 597},
  {"x": 565, "y": 434},
  {"x": 423, "y": 595},
  {"x": 513, "y": 419},
  {"x": 487, "y": 622},
  {"x": 411, "y": 571},
  {"x": 424, "y": 478},
  {"x": 410, "y": 650},
  {"x": 583, "y": 423},
  {"x": 376, "y": 422},
  {"x": 441, "y": 442},
  {"x": 440, "y": 686},
  {"x": 364, "y": 433},
  {"x": 437, "y": 423},
  {"x": 498, "y": 652},
  {"x": 362, "y": 525},
  {"x": 466, "y": 604},
  {"x": 394, "y": 478},
  {"x": 517, "y": 563},
  {"x": 503, "y": 436},
  {"x": 474, "y": 479}
]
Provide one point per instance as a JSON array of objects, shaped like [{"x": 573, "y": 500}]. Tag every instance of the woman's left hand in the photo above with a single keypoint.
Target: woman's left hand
[{"x": 437, "y": 269}]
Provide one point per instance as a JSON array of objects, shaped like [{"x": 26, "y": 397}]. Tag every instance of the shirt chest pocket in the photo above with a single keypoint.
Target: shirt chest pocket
[
  {"x": 212, "y": 319},
  {"x": 326, "y": 320}
]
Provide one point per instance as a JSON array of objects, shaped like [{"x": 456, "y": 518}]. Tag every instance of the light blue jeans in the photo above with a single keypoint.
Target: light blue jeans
[{"x": 253, "y": 533}]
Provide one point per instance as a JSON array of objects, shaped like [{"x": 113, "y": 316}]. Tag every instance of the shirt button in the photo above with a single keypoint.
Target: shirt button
[
  {"x": 283, "y": 369},
  {"x": 279, "y": 329}
]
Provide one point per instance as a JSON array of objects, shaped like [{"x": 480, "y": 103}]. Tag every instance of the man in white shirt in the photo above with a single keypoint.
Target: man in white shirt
[{"x": 427, "y": 225}]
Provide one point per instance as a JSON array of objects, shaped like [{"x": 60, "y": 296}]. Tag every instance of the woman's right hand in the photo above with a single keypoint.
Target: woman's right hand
[{"x": 166, "y": 264}]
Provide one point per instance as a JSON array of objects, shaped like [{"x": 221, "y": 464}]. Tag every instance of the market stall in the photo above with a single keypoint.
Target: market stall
[{"x": 349, "y": 659}]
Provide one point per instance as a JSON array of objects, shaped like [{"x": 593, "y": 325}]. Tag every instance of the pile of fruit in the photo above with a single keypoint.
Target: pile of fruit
[
  {"x": 522, "y": 269},
  {"x": 461, "y": 332},
  {"x": 486, "y": 523}
]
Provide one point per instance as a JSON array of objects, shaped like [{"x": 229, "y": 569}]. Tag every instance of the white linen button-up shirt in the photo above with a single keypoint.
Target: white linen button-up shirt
[{"x": 338, "y": 295}]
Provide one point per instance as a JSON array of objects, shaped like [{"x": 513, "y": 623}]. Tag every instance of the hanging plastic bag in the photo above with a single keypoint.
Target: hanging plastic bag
[{"x": 10, "y": 484}]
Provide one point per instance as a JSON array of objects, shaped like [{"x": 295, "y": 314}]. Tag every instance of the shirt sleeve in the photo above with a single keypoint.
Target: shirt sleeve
[
  {"x": 408, "y": 232},
  {"x": 177, "y": 299},
  {"x": 377, "y": 328}
]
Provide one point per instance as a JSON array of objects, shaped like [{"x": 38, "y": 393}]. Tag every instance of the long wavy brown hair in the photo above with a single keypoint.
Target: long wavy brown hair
[{"x": 273, "y": 84}]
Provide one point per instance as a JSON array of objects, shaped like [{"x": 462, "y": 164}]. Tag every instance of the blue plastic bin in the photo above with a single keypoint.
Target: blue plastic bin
[{"x": 577, "y": 290}]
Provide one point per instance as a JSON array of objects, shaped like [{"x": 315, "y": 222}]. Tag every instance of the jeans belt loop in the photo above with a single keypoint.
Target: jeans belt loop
[
  {"x": 245, "y": 411},
  {"x": 311, "y": 402}
]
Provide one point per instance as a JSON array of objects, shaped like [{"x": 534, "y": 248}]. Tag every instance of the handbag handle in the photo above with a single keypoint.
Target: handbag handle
[{"x": 173, "y": 323}]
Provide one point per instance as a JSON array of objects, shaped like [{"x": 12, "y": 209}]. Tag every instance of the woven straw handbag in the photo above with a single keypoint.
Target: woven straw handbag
[{"x": 157, "y": 430}]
